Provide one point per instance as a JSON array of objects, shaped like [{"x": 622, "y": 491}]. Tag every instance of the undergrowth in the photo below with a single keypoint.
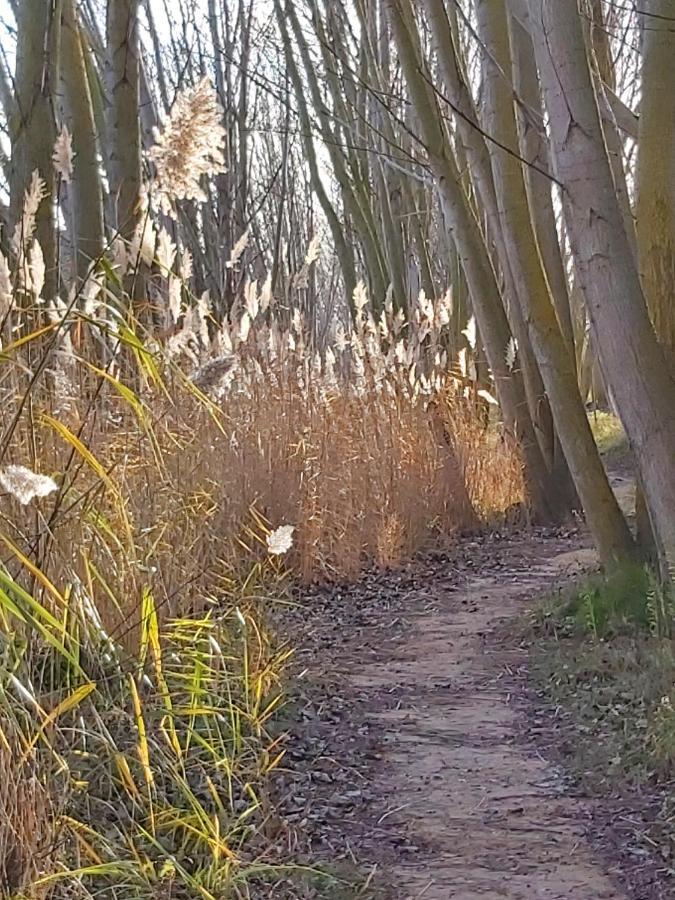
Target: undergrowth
[
  {"x": 603, "y": 655},
  {"x": 611, "y": 438},
  {"x": 159, "y": 495}
]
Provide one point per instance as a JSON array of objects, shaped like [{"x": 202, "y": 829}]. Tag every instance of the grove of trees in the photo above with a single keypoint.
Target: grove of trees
[
  {"x": 520, "y": 154},
  {"x": 295, "y": 286}
]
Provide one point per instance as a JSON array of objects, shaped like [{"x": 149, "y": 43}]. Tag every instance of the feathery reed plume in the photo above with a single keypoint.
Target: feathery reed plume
[
  {"x": 24, "y": 230},
  {"x": 280, "y": 540},
  {"x": 237, "y": 251},
  {"x": 6, "y": 295},
  {"x": 24, "y": 484},
  {"x": 63, "y": 155},
  {"x": 189, "y": 146}
]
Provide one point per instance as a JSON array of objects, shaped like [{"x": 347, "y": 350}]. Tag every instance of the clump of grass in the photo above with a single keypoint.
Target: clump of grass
[
  {"x": 661, "y": 736},
  {"x": 603, "y": 655},
  {"x": 610, "y": 438},
  {"x": 612, "y": 603},
  {"x": 137, "y": 740},
  {"x": 28, "y": 814},
  {"x": 137, "y": 675},
  {"x": 371, "y": 446},
  {"x": 626, "y": 600},
  {"x": 163, "y": 469}
]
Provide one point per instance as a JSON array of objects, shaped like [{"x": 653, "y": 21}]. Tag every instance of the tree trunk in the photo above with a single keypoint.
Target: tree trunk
[
  {"x": 471, "y": 140},
  {"x": 355, "y": 204},
  {"x": 655, "y": 208},
  {"x": 534, "y": 149},
  {"x": 634, "y": 363},
  {"x": 124, "y": 129},
  {"x": 87, "y": 193},
  {"x": 460, "y": 220},
  {"x": 554, "y": 355},
  {"x": 342, "y": 248},
  {"x": 33, "y": 128}
]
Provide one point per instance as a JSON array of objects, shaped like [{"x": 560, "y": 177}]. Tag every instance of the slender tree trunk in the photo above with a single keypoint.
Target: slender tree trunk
[
  {"x": 655, "y": 208},
  {"x": 159, "y": 63},
  {"x": 87, "y": 191},
  {"x": 535, "y": 150},
  {"x": 634, "y": 363},
  {"x": 355, "y": 199},
  {"x": 444, "y": 31},
  {"x": 554, "y": 355},
  {"x": 245, "y": 15},
  {"x": 124, "y": 129},
  {"x": 342, "y": 248},
  {"x": 460, "y": 220},
  {"x": 33, "y": 128},
  {"x": 281, "y": 209}
]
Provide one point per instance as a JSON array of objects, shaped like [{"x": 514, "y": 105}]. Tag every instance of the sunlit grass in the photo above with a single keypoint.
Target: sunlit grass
[
  {"x": 609, "y": 436},
  {"x": 157, "y": 499},
  {"x": 602, "y": 654}
]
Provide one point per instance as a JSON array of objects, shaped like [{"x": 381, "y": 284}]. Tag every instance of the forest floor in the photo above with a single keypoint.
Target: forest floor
[{"x": 422, "y": 756}]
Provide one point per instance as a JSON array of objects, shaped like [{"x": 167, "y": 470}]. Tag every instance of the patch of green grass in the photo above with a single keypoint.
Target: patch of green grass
[
  {"x": 340, "y": 881},
  {"x": 603, "y": 655},
  {"x": 605, "y": 652},
  {"x": 612, "y": 604},
  {"x": 610, "y": 437}
]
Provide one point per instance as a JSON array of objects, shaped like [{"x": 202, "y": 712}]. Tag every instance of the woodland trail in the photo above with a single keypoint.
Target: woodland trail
[
  {"x": 420, "y": 752},
  {"x": 460, "y": 780},
  {"x": 423, "y": 758}
]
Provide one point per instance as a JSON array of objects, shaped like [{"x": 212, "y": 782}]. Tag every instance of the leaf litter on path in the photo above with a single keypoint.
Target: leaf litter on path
[{"x": 413, "y": 769}]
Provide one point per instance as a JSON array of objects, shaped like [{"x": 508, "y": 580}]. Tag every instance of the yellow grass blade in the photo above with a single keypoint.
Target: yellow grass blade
[
  {"x": 143, "y": 747},
  {"x": 81, "y": 449},
  {"x": 94, "y": 464},
  {"x": 36, "y": 572},
  {"x": 70, "y": 702}
]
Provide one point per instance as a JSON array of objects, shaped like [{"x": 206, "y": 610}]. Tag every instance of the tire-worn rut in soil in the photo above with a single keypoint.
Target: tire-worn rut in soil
[{"x": 492, "y": 814}]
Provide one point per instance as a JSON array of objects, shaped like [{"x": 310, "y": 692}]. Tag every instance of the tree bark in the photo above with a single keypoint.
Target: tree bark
[
  {"x": 87, "y": 192},
  {"x": 534, "y": 148},
  {"x": 634, "y": 363},
  {"x": 124, "y": 129},
  {"x": 655, "y": 208},
  {"x": 33, "y": 127},
  {"x": 655, "y": 189},
  {"x": 554, "y": 355}
]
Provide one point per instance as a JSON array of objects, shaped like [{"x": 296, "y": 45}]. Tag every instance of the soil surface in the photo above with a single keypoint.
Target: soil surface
[
  {"x": 417, "y": 761},
  {"x": 494, "y": 811}
]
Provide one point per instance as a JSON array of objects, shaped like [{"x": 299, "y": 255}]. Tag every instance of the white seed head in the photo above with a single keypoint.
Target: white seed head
[
  {"x": 24, "y": 484},
  {"x": 25, "y": 227},
  {"x": 190, "y": 146},
  {"x": 360, "y": 297},
  {"x": 63, "y": 155},
  {"x": 280, "y": 540},
  {"x": 237, "y": 251},
  {"x": 6, "y": 293},
  {"x": 313, "y": 251},
  {"x": 470, "y": 332}
]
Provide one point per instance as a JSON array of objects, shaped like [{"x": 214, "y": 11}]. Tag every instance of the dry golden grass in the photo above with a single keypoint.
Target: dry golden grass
[
  {"x": 26, "y": 824},
  {"x": 141, "y": 483},
  {"x": 163, "y": 475},
  {"x": 147, "y": 562}
]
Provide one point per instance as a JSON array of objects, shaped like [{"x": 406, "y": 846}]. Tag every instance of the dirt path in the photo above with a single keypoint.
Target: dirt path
[{"x": 458, "y": 778}]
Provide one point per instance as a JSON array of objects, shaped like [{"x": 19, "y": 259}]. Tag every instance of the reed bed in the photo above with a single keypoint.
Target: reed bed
[{"x": 158, "y": 494}]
